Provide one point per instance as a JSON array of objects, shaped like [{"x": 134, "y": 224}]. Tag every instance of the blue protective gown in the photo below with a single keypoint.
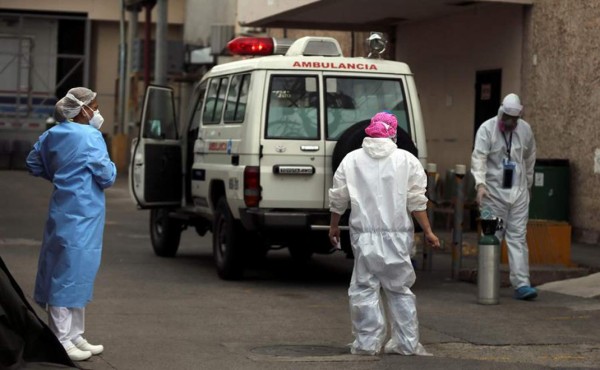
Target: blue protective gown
[{"x": 74, "y": 158}]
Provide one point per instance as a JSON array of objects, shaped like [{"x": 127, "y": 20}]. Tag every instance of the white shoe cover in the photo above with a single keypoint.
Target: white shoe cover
[
  {"x": 95, "y": 349},
  {"x": 392, "y": 347},
  {"x": 75, "y": 354}
]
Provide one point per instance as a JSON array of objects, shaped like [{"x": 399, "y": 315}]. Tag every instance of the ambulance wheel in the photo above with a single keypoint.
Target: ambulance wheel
[
  {"x": 228, "y": 235},
  {"x": 165, "y": 232}
]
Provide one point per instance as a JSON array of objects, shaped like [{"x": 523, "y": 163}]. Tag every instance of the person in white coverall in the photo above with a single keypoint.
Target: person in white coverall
[
  {"x": 502, "y": 163},
  {"x": 384, "y": 185}
]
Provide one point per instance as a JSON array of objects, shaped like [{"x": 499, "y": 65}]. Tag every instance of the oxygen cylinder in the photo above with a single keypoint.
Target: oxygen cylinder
[{"x": 488, "y": 271}]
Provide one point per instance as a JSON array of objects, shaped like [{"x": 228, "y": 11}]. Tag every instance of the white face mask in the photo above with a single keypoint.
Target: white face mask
[{"x": 97, "y": 120}]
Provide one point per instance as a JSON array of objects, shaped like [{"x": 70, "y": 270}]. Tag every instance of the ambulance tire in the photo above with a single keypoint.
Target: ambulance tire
[
  {"x": 228, "y": 236},
  {"x": 165, "y": 232}
]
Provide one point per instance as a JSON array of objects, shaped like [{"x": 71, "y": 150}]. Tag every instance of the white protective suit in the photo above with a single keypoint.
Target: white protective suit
[
  {"x": 511, "y": 205},
  {"x": 384, "y": 185}
]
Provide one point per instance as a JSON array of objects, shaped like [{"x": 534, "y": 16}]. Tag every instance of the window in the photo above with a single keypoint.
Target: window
[
  {"x": 293, "y": 108},
  {"x": 350, "y": 100},
  {"x": 213, "y": 108},
  {"x": 194, "y": 123},
  {"x": 237, "y": 98},
  {"x": 160, "y": 117}
]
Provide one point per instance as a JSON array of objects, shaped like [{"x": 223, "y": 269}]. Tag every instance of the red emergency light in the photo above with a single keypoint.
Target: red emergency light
[{"x": 251, "y": 46}]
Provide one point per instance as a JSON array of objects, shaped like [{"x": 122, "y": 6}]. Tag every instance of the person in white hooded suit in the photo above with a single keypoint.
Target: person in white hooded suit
[
  {"x": 384, "y": 186},
  {"x": 502, "y": 164}
]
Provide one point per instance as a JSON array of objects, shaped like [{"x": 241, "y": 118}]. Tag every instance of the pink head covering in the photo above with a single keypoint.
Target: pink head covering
[{"x": 383, "y": 124}]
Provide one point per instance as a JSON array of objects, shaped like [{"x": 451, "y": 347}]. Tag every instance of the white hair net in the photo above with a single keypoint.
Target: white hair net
[
  {"x": 75, "y": 98},
  {"x": 58, "y": 111}
]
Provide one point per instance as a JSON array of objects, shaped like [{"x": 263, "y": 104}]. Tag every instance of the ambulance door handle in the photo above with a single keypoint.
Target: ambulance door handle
[
  {"x": 309, "y": 148},
  {"x": 139, "y": 160},
  {"x": 235, "y": 160}
]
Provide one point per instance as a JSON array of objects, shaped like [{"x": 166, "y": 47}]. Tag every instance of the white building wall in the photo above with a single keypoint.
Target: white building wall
[{"x": 445, "y": 54}]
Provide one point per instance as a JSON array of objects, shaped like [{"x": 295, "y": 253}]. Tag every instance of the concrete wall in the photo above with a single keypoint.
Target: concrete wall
[
  {"x": 562, "y": 90},
  {"x": 200, "y": 15},
  {"x": 444, "y": 54},
  {"x": 250, "y": 10},
  {"x": 95, "y": 9}
]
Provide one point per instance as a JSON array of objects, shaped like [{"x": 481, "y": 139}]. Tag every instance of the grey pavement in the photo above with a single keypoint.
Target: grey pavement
[{"x": 175, "y": 313}]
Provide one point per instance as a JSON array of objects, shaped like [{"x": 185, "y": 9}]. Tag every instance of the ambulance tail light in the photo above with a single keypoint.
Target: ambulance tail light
[
  {"x": 252, "y": 186},
  {"x": 251, "y": 46}
]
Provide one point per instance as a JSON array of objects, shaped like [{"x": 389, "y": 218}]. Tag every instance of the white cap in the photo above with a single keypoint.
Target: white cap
[
  {"x": 511, "y": 105},
  {"x": 460, "y": 169}
]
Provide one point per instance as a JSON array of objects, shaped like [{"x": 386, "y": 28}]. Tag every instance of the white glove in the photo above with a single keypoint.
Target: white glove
[{"x": 481, "y": 192}]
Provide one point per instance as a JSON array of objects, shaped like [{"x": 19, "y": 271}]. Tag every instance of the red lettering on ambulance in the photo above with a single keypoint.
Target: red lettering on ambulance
[{"x": 329, "y": 65}]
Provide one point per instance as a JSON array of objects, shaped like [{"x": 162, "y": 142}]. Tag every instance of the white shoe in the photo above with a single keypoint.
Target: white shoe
[
  {"x": 75, "y": 354},
  {"x": 95, "y": 349}
]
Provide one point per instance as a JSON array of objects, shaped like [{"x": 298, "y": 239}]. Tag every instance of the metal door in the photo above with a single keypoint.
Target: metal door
[{"x": 156, "y": 172}]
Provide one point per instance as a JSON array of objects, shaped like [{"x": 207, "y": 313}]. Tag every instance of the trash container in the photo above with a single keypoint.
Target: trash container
[{"x": 550, "y": 190}]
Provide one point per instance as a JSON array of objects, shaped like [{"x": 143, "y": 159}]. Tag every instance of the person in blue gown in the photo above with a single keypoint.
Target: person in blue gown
[{"x": 73, "y": 156}]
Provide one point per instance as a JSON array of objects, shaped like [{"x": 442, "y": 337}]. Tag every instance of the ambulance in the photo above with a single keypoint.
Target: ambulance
[{"x": 256, "y": 154}]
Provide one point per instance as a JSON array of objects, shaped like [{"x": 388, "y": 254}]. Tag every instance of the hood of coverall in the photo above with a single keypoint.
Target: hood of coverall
[
  {"x": 377, "y": 147},
  {"x": 511, "y": 105}
]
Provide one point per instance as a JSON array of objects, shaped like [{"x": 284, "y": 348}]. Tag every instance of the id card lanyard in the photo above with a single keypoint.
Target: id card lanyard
[{"x": 508, "y": 143}]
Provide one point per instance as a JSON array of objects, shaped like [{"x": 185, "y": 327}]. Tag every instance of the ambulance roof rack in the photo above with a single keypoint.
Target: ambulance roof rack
[{"x": 315, "y": 46}]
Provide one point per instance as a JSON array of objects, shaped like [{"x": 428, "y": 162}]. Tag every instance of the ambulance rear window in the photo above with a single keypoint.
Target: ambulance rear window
[
  {"x": 350, "y": 100},
  {"x": 293, "y": 108}
]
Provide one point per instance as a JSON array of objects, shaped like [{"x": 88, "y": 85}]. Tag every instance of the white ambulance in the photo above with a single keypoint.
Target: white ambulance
[{"x": 257, "y": 153}]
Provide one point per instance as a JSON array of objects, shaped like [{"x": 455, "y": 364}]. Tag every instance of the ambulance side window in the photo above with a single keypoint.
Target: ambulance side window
[
  {"x": 293, "y": 108},
  {"x": 215, "y": 98},
  {"x": 237, "y": 98}
]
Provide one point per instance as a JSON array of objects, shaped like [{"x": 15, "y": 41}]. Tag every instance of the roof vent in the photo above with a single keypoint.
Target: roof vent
[{"x": 315, "y": 46}]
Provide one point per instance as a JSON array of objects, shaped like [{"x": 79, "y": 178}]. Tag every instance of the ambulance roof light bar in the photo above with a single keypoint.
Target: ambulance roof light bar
[
  {"x": 306, "y": 46},
  {"x": 258, "y": 46}
]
